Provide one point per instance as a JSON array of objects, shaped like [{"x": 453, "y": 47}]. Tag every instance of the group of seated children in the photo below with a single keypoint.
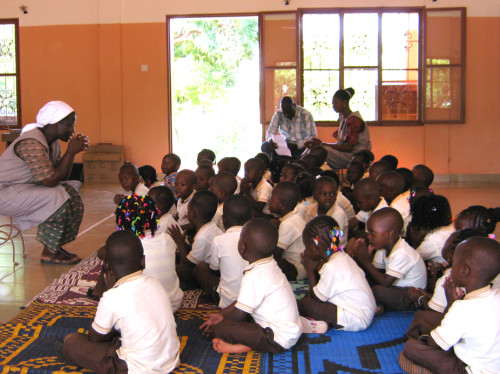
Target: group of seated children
[{"x": 378, "y": 240}]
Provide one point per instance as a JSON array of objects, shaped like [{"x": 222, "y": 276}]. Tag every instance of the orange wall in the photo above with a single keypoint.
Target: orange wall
[{"x": 97, "y": 70}]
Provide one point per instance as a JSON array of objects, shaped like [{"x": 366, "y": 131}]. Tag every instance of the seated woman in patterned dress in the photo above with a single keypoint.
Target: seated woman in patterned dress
[{"x": 33, "y": 190}]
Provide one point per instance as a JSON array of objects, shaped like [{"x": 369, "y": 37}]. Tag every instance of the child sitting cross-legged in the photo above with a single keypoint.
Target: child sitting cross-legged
[
  {"x": 395, "y": 266},
  {"x": 339, "y": 293},
  {"x": 220, "y": 279},
  {"x": 127, "y": 334},
  {"x": 223, "y": 185},
  {"x": 130, "y": 181},
  {"x": 366, "y": 193},
  {"x": 468, "y": 337},
  {"x": 392, "y": 189},
  {"x": 325, "y": 194},
  {"x": 265, "y": 316},
  {"x": 200, "y": 211},
  {"x": 284, "y": 199}
]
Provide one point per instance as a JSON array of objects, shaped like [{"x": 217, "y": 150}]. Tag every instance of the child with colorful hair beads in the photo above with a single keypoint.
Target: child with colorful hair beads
[
  {"x": 138, "y": 214},
  {"x": 339, "y": 293}
]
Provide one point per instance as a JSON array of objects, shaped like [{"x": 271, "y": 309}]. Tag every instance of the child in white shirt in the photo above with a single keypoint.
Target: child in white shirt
[
  {"x": 130, "y": 180},
  {"x": 341, "y": 296},
  {"x": 265, "y": 295},
  {"x": 254, "y": 187},
  {"x": 223, "y": 185},
  {"x": 147, "y": 339},
  {"x": 399, "y": 266}
]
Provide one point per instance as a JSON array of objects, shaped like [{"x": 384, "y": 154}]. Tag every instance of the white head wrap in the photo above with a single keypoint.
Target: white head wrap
[{"x": 52, "y": 112}]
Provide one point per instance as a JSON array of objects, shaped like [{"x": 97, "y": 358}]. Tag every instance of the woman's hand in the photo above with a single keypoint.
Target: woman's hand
[{"x": 77, "y": 144}]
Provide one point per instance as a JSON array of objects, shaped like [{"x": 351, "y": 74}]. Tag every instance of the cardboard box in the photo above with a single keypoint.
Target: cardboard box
[{"x": 102, "y": 162}]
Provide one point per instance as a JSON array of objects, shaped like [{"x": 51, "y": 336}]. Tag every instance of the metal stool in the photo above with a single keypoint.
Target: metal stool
[{"x": 8, "y": 232}]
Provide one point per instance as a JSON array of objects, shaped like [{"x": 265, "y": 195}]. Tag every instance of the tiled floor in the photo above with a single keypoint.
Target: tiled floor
[{"x": 19, "y": 284}]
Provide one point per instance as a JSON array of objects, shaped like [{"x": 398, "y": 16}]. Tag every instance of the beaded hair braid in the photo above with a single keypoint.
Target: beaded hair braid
[{"x": 137, "y": 214}]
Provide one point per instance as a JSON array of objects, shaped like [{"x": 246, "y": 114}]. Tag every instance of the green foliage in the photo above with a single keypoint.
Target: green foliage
[{"x": 209, "y": 52}]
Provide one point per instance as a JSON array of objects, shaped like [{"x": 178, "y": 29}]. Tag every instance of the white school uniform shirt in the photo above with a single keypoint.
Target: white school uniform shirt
[
  {"x": 267, "y": 176},
  {"x": 141, "y": 189},
  {"x": 363, "y": 216},
  {"x": 200, "y": 250},
  {"x": 302, "y": 207},
  {"x": 262, "y": 192},
  {"x": 268, "y": 297},
  {"x": 403, "y": 263},
  {"x": 346, "y": 205},
  {"x": 438, "y": 302},
  {"x": 217, "y": 219},
  {"x": 226, "y": 258},
  {"x": 182, "y": 208},
  {"x": 496, "y": 282},
  {"x": 290, "y": 239},
  {"x": 166, "y": 222},
  {"x": 472, "y": 327},
  {"x": 432, "y": 245},
  {"x": 343, "y": 283},
  {"x": 337, "y": 213},
  {"x": 159, "y": 252},
  {"x": 149, "y": 342},
  {"x": 238, "y": 182},
  {"x": 402, "y": 205}
]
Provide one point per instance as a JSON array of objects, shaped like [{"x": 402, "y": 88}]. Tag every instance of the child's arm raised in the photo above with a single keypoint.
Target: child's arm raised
[
  {"x": 245, "y": 188},
  {"x": 179, "y": 238},
  {"x": 362, "y": 253}
]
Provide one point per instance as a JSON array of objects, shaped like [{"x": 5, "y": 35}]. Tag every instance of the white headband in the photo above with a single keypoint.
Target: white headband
[{"x": 52, "y": 112}]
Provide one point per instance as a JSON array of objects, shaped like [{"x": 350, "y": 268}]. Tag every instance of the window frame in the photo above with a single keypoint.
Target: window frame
[
  {"x": 422, "y": 11},
  {"x": 4, "y": 126}
]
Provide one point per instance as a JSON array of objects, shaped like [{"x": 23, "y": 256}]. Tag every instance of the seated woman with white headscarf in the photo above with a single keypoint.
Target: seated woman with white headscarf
[{"x": 32, "y": 187}]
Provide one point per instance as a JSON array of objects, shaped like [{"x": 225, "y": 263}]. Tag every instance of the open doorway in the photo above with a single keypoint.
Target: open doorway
[{"x": 214, "y": 87}]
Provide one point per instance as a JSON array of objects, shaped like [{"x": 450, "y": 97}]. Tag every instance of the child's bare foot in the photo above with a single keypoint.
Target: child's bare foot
[{"x": 222, "y": 347}]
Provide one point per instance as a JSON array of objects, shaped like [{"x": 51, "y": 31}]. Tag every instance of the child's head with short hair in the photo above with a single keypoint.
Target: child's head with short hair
[
  {"x": 148, "y": 175},
  {"x": 422, "y": 175},
  {"x": 184, "y": 183},
  {"x": 455, "y": 239},
  {"x": 392, "y": 184},
  {"x": 355, "y": 171},
  {"x": 203, "y": 174},
  {"x": 284, "y": 198},
  {"x": 430, "y": 212},
  {"x": 129, "y": 176},
  {"x": 298, "y": 162},
  {"x": 305, "y": 181},
  {"x": 321, "y": 152},
  {"x": 264, "y": 157},
  {"x": 223, "y": 185},
  {"x": 230, "y": 164},
  {"x": 408, "y": 177},
  {"x": 321, "y": 237},
  {"x": 384, "y": 227},
  {"x": 254, "y": 170},
  {"x": 290, "y": 172},
  {"x": 258, "y": 240},
  {"x": 378, "y": 168},
  {"x": 325, "y": 193},
  {"x": 312, "y": 160},
  {"x": 476, "y": 263},
  {"x": 124, "y": 254},
  {"x": 237, "y": 211},
  {"x": 163, "y": 198},
  {"x": 170, "y": 163},
  {"x": 366, "y": 193},
  {"x": 206, "y": 154},
  {"x": 477, "y": 217},
  {"x": 331, "y": 174},
  {"x": 201, "y": 208},
  {"x": 392, "y": 160},
  {"x": 137, "y": 214},
  {"x": 364, "y": 156}
]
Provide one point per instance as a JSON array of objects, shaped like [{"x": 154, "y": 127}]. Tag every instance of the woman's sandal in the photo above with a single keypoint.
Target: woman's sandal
[
  {"x": 59, "y": 257},
  {"x": 311, "y": 326}
]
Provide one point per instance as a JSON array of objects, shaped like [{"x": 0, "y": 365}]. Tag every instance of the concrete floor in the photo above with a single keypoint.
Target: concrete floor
[{"x": 19, "y": 284}]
